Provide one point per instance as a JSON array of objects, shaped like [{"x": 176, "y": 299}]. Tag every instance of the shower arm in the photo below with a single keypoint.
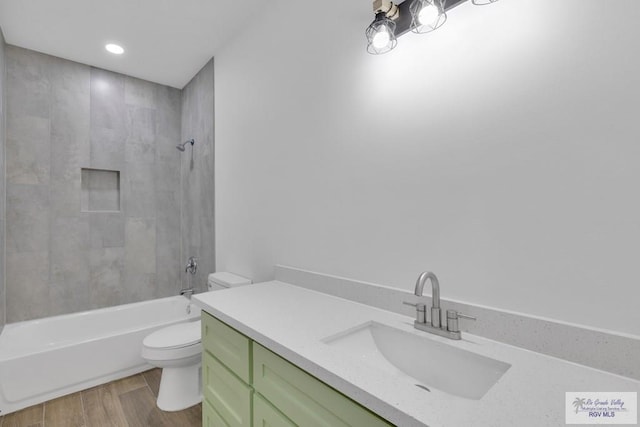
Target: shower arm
[{"x": 181, "y": 146}]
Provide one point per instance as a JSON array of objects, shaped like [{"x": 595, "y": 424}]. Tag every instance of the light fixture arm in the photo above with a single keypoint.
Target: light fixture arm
[{"x": 389, "y": 8}]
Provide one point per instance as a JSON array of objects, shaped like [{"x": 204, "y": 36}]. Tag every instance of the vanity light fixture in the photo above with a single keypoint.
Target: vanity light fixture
[
  {"x": 427, "y": 15},
  {"x": 418, "y": 16},
  {"x": 381, "y": 34},
  {"x": 114, "y": 48}
]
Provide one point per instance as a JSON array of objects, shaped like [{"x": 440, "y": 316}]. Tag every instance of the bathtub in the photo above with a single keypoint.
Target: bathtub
[{"x": 48, "y": 358}]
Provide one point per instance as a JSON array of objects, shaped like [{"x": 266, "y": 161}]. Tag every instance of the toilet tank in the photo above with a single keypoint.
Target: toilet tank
[{"x": 224, "y": 280}]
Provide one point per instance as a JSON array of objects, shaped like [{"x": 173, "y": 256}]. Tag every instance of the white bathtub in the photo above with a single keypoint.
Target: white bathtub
[{"x": 48, "y": 358}]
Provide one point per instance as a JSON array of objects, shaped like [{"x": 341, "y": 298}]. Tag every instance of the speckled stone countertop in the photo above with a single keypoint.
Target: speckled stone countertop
[{"x": 293, "y": 322}]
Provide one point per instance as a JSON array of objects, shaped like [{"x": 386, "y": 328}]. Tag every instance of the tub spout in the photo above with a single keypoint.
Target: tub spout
[{"x": 187, "y": 292}]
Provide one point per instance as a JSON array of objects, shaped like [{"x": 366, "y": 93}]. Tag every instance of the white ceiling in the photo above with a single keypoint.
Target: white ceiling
[{"x": 165, "y": 41}]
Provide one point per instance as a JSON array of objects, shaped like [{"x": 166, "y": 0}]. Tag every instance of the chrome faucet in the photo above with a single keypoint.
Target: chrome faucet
[
  {"x": 435, "y": 295},
  {"x": 450, "y": 329},
  {"x": 192, "y": 265}
]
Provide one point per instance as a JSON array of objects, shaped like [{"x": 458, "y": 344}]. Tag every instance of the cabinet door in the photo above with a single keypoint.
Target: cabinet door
[
  {"x": 265, "y": 415},
  {"x": 226, "y": 393},
  {"x": 304, "y": 399},
  {"x": 228, "y": 345},
  {"x": 210, "y": 417}
]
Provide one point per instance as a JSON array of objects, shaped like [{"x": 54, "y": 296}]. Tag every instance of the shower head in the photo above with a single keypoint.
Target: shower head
[{"x": 181, "y": 146}]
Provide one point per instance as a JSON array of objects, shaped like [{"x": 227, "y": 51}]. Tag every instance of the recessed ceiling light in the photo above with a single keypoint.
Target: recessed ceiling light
[{"x": 114, "y": 48}]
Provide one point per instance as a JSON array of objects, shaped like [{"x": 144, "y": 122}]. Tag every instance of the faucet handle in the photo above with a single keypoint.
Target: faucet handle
[
  {"x": 452, "y": 320},
  {"x": 421, "y": 311},
  {"x": 466, "y": 316}
]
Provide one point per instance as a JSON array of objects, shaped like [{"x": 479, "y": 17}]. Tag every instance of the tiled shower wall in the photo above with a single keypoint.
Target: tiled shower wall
[
  {"x": 2, "y": 186},
  {"x": 64, "y": 116},
  {"x": 198, "y": 174}
]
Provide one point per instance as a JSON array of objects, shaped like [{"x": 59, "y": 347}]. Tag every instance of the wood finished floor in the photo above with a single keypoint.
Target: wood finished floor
[{"x": 129, "y": 402}]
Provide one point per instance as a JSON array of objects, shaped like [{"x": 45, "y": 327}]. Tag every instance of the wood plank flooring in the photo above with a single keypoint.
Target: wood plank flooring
[{"x": 129, "y": 402}]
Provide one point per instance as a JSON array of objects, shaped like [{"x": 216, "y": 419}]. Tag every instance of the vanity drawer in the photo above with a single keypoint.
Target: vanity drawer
[
  {"x": 228, "y": 345},
  {"x": 210, "y": 417},
  {"x": 229, "y": 397},
  {"x": 264, "y": 414},
  {"x": 305, "y": 400}
]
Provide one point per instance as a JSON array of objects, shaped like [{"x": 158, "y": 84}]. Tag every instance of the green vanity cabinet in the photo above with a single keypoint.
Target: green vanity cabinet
[
  {"x": 304, "y": 399},
  {"x": 210, "y": 417},
  {"x": 265, "y": 415},
  {"x": 226, "y": 393},
  {"x": 226, "y": 375},
  {"x": 245, "y": 384},
  {"x": 229, "y": 346}
]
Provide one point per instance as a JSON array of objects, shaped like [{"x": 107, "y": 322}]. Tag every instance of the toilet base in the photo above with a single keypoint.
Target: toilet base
[{"x": 180, "y": 387}]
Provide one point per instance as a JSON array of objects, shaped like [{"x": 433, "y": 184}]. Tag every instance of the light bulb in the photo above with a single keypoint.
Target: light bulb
[
  {"x": 382, "y": 38},
  {"x": 428, "y": 15},
  {"x": 380, "y": 34}
]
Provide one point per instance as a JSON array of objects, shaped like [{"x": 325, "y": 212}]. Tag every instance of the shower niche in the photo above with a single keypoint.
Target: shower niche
[{"x": 100, "y": 190}]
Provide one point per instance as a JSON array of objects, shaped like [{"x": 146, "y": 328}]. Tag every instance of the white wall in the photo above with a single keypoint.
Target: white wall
[{"x": 501, "y": 152}]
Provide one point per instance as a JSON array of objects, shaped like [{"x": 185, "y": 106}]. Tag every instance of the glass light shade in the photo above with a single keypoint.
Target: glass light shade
[
  {"x": 483, "y": 2},
  {"x": 381, "y": 37},
  {"x": 427, "y": 15}
]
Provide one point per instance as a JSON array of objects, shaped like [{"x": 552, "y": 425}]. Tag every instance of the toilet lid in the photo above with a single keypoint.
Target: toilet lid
[{"x": 175, "y": 336}]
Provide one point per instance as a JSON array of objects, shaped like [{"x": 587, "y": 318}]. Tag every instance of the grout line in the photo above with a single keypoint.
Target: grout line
[
  {"x": 147, "y": 383},
  {"x": 84, "y": 417},
  {"x": 44, "y": 408}
]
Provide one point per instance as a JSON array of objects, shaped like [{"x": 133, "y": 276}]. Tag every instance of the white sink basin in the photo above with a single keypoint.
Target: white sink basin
[{"x": 426, "y": 362}]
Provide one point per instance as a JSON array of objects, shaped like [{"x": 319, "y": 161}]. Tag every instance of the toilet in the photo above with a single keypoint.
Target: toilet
[{"x": 177, "y": 349}]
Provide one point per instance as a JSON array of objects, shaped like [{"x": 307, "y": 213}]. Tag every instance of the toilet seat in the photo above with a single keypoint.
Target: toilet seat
[
  {"x": 173, "y": 343},
  {"x": 175, "y": 336}
]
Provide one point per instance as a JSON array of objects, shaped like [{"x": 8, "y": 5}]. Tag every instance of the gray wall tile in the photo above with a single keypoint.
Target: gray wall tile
[
  {"x": 2, "y": 274},
  {"x": 167, "y": 175},
  {"x": 69, "y": 258},
  {"x": 140, "y": 190},
  {"x": 197, "y": 170},
  {"x": 107, "y": 148},
  {"x": 27, "y": 278},
  {"x": 70, "y": 147},
  {"x": 139, "y": 93},
  {"x": 106, "y": 266},
  {"x": 140, "y": 245},
  {"x": 67, "y": 116},
  {"x": 28, "y": 150},
  {"x": 27, "y": 74},
  {"x": 139, "y": 286},
  {"x": 65, "y": 196},
  {"x": 141, "y": 124},
  {"x": 169, "y": 266},
  {"x": 28, "y": 216},
  {"x": 139, "y": 152},
  {"x": 168, "y": 113},
  {"x": 107, "y": 230},
  {"x": 68, "y": 297},
  {"x": 107, "y": 100},
  {"x": 3, "y": 113}
]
